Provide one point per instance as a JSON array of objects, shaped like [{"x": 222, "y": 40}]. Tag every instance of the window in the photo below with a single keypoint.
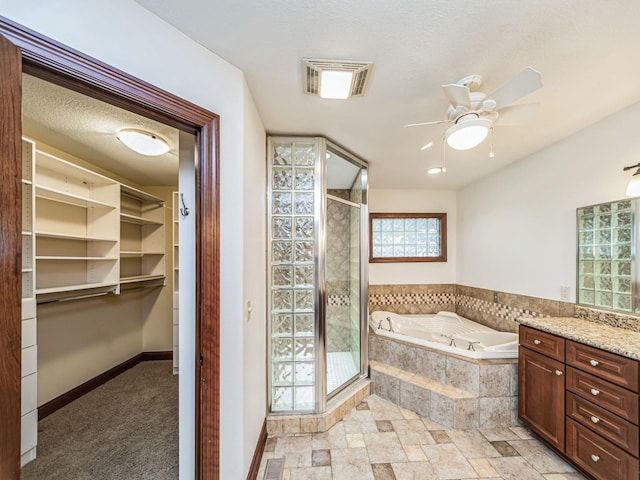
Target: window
[{"x": 407, "y": 237}]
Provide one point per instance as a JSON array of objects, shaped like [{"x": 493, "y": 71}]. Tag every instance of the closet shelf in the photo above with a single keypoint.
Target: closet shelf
[
  {"x": 131, "y": 254},
  {"x": 26, "y": 182},
  {"x": 66, "y": 236},
  {"x": 69, "y": 198},
  {"x": 125, "y": 217},
  {"x": 140, "y": 195},
  {"x": 54, "y": 257},
  {"x": 26, "y": 233},
  {"x": 140, "y": 278},
  {"x": 68, "y": 288}
]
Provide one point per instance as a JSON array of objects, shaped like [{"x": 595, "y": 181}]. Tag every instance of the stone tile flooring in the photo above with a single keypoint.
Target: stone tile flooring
[{"x": 379, "y": 441}]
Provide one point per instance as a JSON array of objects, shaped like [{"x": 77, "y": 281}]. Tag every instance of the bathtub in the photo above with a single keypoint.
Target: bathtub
[{"x": 448, "y": 332}]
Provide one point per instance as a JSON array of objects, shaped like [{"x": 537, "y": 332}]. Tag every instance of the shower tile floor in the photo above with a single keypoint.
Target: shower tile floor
[
  {"x": 340, "y": 368},
  {"x": 379, "y": 441}
]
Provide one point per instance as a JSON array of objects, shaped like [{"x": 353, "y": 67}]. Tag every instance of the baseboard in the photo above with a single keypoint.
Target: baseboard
[
  {"x": 168, "y": 355},
  {"x": 257, "y": 455},
  {"x": 57, "y": 403}
]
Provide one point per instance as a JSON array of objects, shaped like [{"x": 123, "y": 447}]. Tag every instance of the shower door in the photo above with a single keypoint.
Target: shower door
[{"x": 343, "y": 292}]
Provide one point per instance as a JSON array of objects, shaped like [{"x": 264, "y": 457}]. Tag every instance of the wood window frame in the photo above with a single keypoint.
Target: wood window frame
[
  {"x": 26, "y": 51},
  {"x": 443, "y": 237}
]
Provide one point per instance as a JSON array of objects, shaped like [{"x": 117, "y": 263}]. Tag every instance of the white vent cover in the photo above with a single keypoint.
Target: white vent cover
[{"x": 312, "y": 68}]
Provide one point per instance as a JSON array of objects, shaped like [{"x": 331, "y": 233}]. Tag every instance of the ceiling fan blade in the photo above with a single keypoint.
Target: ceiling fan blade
[
  {"x": 517, "y": 114},
  {"x": 458, "y": 95},
  {"x": 524, "y": 83},
  {"x": 436, "y": 122}
]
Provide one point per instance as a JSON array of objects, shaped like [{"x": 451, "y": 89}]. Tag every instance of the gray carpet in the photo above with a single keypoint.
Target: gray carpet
[{"x": 124, "y": 429}]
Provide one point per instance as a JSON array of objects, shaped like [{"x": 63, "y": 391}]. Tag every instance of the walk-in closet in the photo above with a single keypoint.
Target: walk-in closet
[{"x": 101, "y": 227}]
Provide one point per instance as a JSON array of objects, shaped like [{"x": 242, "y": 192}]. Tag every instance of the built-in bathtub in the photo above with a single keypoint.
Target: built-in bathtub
[
  {"x": 460, "y": 387},
  {"x": 448, "y": 332}
]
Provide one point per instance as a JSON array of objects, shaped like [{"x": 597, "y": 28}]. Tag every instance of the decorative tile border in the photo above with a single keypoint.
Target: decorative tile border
[
  {"x": 339, "y": 300},
  {"x": 411, "y": 298}
]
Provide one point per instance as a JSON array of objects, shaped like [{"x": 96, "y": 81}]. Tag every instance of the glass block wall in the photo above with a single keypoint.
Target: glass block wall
[
  {"x": 605, "y": 255},
  {"x": 406, "y": 237},
  {"x": 292, "y": 247}
]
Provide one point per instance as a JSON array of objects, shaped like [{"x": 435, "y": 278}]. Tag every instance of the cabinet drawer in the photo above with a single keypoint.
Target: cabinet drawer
[
  {"x": 597, "y": 456},
  {"x": 622, "y": 433},
  {"x": 542, "y": 342},
  {"x": 620, "y": 370},
  {"x": 611, "y": 397}
]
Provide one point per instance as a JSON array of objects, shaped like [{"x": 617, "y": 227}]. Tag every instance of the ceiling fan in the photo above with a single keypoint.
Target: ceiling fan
[{"x": 474, "y": 113}]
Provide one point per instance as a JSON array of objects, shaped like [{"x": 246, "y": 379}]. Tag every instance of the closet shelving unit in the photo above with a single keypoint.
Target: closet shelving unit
[
  {"x": 76, "y": 229},
  {"x": 142, "y": 237},
  {"x": 176, "y": 278},
  {"x": 29, "y": 381}
]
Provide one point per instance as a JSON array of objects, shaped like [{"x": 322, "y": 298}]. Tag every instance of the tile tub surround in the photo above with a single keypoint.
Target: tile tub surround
[
  {"x": 337, "y": 408},
  {"x": 378, "y": 440},
  {"x": 476, "y": 304},
  {"x": 606, "y": 337},
  {"x": 457, "y": 392}
]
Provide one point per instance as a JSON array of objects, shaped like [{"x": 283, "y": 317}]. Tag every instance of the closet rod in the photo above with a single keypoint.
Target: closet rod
[{"x": 75, "y": 297}]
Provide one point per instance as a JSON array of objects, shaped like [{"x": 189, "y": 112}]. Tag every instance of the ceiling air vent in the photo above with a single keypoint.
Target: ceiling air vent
[{"x": 313, "y": 68}]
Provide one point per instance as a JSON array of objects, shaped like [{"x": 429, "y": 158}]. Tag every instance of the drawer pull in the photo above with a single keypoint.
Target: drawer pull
[
  {"x": 595, "y": 391},
  {"x": 595, "y": 458},
  {"x": 537, "y": 342},
  {"x": 558, "y": 372},
  {"x": 594, "y": 419},
  {"x": 594, "y": 363}
]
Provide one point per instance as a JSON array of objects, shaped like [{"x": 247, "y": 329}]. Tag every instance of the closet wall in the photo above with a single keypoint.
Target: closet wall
[{"x": 80, "y": 339}]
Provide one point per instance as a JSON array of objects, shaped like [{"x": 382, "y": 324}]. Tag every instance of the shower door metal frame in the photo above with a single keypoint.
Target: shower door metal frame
[{"x": 364, "y": 264}]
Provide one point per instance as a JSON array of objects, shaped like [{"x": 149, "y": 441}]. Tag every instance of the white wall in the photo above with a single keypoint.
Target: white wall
[
  {"x": 416, "y": 201},
  {"x": 516, "y": 228},
  {"x": 255, "y": 288},
  {"x": 123, "y": 34}
]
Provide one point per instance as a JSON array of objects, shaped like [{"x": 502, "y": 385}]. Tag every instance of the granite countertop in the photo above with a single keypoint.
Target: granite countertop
[{"x": 605, "y": 337}]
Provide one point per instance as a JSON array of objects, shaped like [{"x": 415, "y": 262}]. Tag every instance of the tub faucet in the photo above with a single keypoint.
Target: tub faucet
[
  {"x": 390, "y": 324},
  {"x": 471, "y": 346}
]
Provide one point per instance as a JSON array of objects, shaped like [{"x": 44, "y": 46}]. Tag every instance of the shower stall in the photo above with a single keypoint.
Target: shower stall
[{"x": 317, "y": 267}]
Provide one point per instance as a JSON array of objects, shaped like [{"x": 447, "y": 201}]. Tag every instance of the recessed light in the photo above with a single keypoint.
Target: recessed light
[
  {"x": 436, "y": 170},
  {"x": 143, "y": 142}
]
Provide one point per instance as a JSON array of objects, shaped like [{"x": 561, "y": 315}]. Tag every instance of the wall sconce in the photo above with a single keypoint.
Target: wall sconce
[{"x": 633, "y": 187}]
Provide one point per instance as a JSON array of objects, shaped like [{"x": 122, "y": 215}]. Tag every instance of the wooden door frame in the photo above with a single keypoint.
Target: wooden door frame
[{"x": 54, "y": 62}]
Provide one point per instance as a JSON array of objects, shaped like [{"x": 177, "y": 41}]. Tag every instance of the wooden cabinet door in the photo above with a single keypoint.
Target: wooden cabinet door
[{"x": 541, "y": 396}]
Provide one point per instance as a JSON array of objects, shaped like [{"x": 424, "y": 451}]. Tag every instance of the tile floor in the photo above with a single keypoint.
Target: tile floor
[{"x": 379, "y": 441}]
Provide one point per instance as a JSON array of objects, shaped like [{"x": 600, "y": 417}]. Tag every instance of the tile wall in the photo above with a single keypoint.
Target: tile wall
[{"x": 495, "y": 309}]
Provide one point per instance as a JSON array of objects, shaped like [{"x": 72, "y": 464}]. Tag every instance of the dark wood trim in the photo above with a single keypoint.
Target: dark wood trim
[
  {"x": 60, "y": 401},
  {"x": 443, "y": 238},
  {"x": 10, "y": 258},
  {"x": 150, "y": 356},
  {"x": 257, "y": 454},
  {"x": 54, "y": 62}
]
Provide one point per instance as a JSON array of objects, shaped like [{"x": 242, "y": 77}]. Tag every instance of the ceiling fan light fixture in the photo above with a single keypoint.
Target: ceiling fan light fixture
[
  {"x": 633, "y": 187},
  {"x": 143, "y": 142},
  {"x": 468, "y": 132}
]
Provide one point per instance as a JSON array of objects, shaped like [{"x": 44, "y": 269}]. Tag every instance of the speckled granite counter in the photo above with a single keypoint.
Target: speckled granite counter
[{"x": 605, "y": 337}]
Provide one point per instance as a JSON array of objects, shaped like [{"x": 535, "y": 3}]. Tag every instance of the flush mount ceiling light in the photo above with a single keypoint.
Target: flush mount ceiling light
[
  {"x": 143, "y": 142},
  {"x": 468, "y": 132},
  {"x": 336, "y": 79},
  {"x": 633, "y": 187}
]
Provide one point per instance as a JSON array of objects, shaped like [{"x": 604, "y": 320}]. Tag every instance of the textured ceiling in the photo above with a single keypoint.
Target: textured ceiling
[
  {"x": 587, "y": 51},
  {"x": 86, "y": 128}
]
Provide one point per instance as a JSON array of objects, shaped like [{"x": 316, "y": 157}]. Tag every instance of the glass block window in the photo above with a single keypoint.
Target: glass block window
[
  {"x": 605, "y": 255},
  {"x": 292, "y": 243},
  {"x": 407, "y": 237}
]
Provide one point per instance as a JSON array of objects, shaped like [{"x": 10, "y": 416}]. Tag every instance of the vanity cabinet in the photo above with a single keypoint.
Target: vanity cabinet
[
  {"x": 541, "y": 375},
  {"x": 583, "y": 401}
]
